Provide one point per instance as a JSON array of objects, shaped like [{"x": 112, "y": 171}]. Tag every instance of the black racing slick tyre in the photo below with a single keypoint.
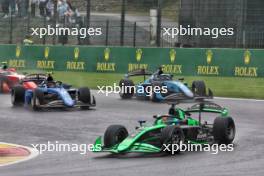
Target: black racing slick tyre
[
  {"x": 170, "y": 136},
  {"x": 127, "y": 88},
  {"x": 224, "y": 130},
  {"x": 199, "y": 88},
  {"x": 37, "y": 99},
  {"x": 17, "y": 95},
  {"x": 114, "y": 134},
  {"x": 84, "y": 95}
]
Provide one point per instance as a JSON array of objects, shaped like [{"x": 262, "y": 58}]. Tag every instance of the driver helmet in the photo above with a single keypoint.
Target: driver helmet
[
  {"x": 50, "y": 77},
  {"x": 4, "y": 66},
  {"x": 160, "y": 70}
]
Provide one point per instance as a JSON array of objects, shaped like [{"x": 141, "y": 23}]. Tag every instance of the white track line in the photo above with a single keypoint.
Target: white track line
[
  {"x": 238, "y": 99},
  {"x": 33, "y": 153},
  {"x": 95, "y": 91}
]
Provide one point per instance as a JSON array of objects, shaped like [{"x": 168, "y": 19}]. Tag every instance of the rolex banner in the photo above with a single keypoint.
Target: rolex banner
[{"x": 178, "y": 61}]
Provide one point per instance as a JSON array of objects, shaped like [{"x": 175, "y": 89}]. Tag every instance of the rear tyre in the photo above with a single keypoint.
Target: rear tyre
[
  {"x": 199, "y": 88},
  {"x": 37, "y": 99},
  {"x": 171, "y": 135},
  {"x": 224, "y": 130},
  {"x": 18, "y": 95},
  {"x": 114, "y": 134},
  {"x": 127, "y": 88}
]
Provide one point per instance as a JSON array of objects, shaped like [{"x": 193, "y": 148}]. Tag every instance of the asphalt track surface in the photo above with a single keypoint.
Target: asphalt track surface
[{"x": 22, "y": 126}]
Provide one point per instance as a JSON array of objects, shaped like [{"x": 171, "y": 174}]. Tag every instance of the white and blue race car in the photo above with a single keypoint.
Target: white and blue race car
[{"x": 157, "y": 86}]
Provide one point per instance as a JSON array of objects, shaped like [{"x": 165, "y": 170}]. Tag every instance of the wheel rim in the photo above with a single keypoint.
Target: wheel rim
[
  {"x": 35, "y": 102},
  {"x": 13, "y": 97},
  {"x": 230, "y": 132},
  {"x": 176, "y": 137},
  {"x": 32, "y": 102},
  {"x": 120, "y": 136}
]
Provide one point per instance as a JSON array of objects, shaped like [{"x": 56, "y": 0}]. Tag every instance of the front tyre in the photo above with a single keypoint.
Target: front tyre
[
  {"x": 84, "y": 95},
  {"x": 37, "y": 99},
  {"x": 114, "y": 134},
  {"x": 224, "y": 130}
]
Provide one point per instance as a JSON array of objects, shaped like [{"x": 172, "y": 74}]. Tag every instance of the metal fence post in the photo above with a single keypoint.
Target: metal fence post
[
  {"x": 159, "y": 16},
  {"x": 106, "y": 32},
  {"x": 244, "y": 16},
  {"x": 55, "y": 20},
  {"x": 123, "y": 12},
  {"x": 11, "y": 30},
  {"x": 45, "y": 25},
  {"x": 28, "y": 23},
  {"x": 88, "y": 16},
  {"x": 135, "y": 34}
]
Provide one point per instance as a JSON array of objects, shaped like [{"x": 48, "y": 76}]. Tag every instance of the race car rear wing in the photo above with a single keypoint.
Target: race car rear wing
[
  {"x": 140, "y": 72},
  {"x": 177, "y": 98},
  {"x": 35, "y": 77},
  {"x": 203, "y": 103}
]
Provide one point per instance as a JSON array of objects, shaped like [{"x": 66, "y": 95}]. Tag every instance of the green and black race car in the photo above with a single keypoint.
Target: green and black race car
[{"x": 176, "y": 127}]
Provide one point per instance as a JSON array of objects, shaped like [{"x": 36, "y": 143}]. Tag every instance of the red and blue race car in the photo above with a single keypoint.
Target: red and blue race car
[
  {"x": 40, "y": 91},
  {"x": 8, "y": 78}
]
